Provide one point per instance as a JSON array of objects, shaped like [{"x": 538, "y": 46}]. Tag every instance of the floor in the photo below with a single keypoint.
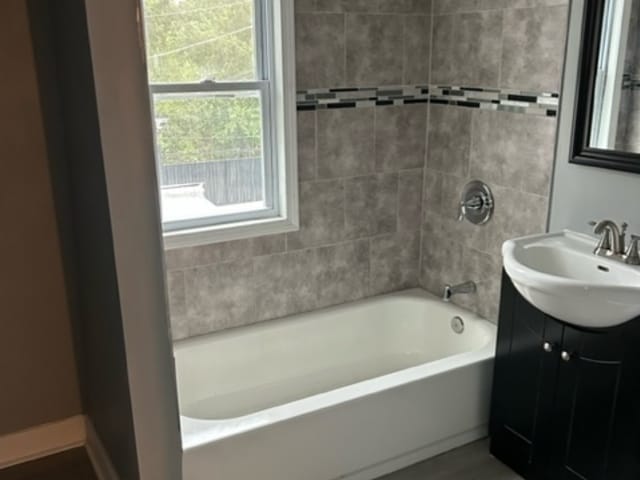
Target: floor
[
  {"x": 70, "y": 465},
  {"x": 471, "y": 462}
]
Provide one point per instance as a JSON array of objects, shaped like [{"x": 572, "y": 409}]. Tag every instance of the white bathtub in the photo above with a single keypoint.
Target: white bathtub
[{"x": 354, "y": 391}]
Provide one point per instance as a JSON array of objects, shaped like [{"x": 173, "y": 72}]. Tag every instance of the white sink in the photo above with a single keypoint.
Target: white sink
[{"x": 559, "y": 274}]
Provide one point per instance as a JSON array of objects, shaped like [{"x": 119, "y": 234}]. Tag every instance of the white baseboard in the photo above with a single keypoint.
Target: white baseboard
[
  {"x": 97, "y": 453},
  {"x": 42, "y": 440}
]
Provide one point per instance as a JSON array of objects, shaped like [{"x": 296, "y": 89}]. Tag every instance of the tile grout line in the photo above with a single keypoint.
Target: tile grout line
[
  {"x": 480, "y": 10},
  {"x": 423, "y": 195},
  {"x": 344, "y": 241},
  {"x": 315, "y": 153},
  {"x": 500, "y": 57},
  {"x": 364, "y": 175},
  {"x": 404, "y": 49},
  {"x": 346, "y": 46}
]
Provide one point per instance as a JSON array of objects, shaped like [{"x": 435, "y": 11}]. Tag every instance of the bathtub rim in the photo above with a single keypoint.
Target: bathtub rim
[
  {"x": 198, "y": 432},
  {"x": 234, "y": 332}
]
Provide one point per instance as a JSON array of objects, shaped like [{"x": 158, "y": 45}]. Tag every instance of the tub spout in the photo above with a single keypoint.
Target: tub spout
[{"x": 451, "y": 290}]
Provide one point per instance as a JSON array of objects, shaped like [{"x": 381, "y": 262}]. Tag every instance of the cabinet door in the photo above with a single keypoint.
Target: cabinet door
[
  {"x": 524, "y": 382},
  {"x": 596, "y": 410}
]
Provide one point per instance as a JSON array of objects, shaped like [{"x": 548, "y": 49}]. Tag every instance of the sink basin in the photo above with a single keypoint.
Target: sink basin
[{"x": 559, "y": 274}]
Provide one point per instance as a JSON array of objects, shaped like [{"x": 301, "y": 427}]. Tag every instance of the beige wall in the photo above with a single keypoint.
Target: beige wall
[{"x": 38, "y": 381}]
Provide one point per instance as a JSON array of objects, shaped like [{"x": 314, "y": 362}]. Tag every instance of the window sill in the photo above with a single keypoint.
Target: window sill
[{"x": 223, "y": 233}]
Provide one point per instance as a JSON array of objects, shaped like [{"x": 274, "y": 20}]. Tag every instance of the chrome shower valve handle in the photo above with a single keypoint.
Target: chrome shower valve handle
[{"x": 476, "y": 203}]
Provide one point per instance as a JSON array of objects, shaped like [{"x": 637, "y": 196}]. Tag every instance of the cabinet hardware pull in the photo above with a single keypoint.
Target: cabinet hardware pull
[
  {"x": 547, "y": 347},
  {"x": 566, "y": 356}
]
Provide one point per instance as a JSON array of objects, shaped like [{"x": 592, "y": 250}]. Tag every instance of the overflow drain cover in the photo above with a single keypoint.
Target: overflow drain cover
[{"x": 457, "y": 324}]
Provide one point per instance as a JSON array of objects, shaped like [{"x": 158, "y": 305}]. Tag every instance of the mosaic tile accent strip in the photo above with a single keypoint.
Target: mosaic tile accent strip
[
  {"x": 532, "y": 103},
  {"x": 630, "y": 82},
  {"x": 361, "y": 97}
]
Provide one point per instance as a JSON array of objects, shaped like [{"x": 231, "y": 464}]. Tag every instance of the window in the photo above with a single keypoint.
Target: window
[{"x": 223, "y": 98}]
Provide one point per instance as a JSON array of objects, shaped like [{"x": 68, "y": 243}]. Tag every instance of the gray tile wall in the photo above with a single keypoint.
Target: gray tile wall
[
  {"x": 360, "y": 173},
  {"x": 493, "y": 43},
  {"x": 362, "y": 42},
  {"x": 379, "y": 186},
  {"x": 355, "y": 238}
]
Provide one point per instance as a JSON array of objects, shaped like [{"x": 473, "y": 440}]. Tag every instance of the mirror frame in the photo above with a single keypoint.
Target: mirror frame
[{"x": 581, "y": 152}]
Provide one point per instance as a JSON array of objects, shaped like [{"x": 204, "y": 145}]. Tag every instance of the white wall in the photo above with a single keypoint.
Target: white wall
[
  {"x": 582, "y": 193},
  {"x": 127, "y": 147}
]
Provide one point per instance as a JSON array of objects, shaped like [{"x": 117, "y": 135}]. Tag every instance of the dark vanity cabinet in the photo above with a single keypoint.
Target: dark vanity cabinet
[{"x": 566, "y": 400}]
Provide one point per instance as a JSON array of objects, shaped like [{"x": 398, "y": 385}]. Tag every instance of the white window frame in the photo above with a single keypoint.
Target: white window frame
[{"x": 275, "y": 54}]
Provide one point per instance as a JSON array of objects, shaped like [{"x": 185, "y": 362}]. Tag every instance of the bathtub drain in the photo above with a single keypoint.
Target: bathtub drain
[{"x": 457, "y": 324}]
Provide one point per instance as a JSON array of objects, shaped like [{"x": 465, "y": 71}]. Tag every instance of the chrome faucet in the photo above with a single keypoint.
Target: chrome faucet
[
  {"x": 451, "y": 290},
  {"x": 612, "y": 242}
]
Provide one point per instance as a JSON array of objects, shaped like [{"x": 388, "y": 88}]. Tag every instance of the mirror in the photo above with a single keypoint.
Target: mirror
[{"x": 607, "y": 117}]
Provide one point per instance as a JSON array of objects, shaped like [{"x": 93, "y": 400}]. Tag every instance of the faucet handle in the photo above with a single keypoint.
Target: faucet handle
[
  {"x": 632, "y": 254},
  {"x": 623, "y": 236}
]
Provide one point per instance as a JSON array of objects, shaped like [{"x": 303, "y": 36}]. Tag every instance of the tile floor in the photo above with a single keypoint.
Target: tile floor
[{"x": 471, "y": 462}]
